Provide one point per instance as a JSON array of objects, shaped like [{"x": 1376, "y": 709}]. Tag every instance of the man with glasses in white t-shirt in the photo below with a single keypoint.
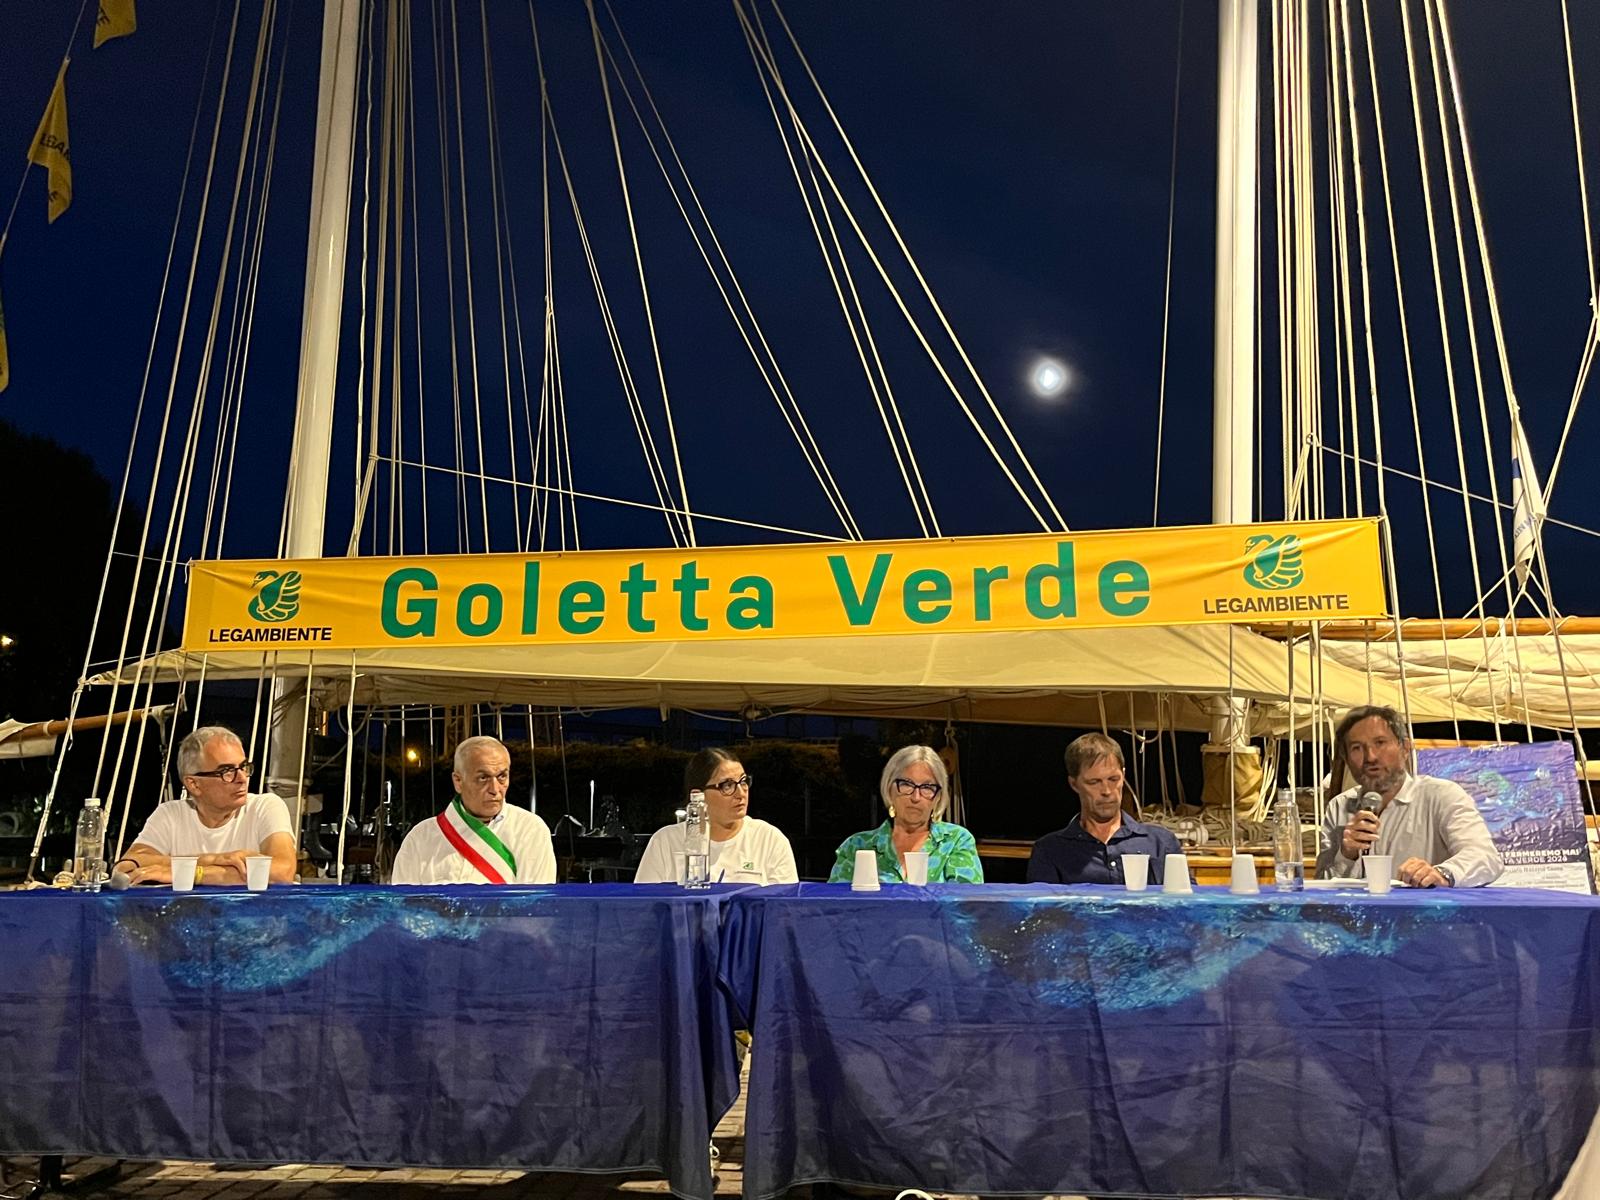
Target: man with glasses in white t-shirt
[{"x": 218, "y": 820}]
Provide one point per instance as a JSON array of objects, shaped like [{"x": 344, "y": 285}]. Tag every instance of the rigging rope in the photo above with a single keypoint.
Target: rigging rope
[
  {"x": 161, "y": 448},
  {"x": 644, "y": 287},
  {"x": 441, "y": 102},
  {"x": 166, "y": 577},
  {"x": 905, "y": 311},
  {"x": 1166, "y": 287},
  {"x": 466, "y": 273},
  {"x": 676, "y": 526},
  {"x": 1444, "y": 335},
  {"x": 366, "y": 465},
  {"x": 555, "y": 453},
  {"x": 916, "y": 271},
  {"x": 877, "y": 381},
  {"x": 501, "y": 253},
  {"x": 1358, "y": 175},
  {"x": 127, "y": 468},
  {"x": 573, "y": 494},
  {"x": 27, "y": 168},
  {"x": 1405, "y": 334},
  {"x": 793, "y": 415},
  {"x": 1499, "y": 336}
]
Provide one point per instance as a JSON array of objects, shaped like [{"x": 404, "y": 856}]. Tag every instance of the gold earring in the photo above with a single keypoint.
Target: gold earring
[{"x": 891, "y": 812}]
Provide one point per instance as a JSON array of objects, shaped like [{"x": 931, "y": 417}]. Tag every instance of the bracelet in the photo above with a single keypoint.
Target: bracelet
[
  {"x": 120, "y": 861},
  {"x": 199, "y": 873}
]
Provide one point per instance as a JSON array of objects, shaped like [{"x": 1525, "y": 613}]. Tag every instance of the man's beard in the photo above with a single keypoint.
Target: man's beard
[{"x": 1388, "y": 782}]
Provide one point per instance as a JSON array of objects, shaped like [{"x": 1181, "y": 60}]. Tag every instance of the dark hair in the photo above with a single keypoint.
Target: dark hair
[
  {"x": 1396, "y": 723},
  {"x": 697, "y": 772},
  {"x": 1089, "y": 749}
]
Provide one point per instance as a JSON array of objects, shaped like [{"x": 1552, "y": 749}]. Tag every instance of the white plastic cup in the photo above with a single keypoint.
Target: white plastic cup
[
  {"x": 257, "y": 870},
  {"x": 1243, "y": 881},
  {"x": 183, "y": 872},
  {"x": 1135, "y": 871},
  {"x": 1175, "y": 875},
  {"x": 917, "y": 867},
  {"x": 1380, "y": 873},
  {"x": 865, "y": 877}
]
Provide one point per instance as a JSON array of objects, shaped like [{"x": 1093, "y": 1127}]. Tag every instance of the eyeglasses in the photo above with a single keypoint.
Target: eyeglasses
[
  {"x": 227, "y": 773},
  {"x": 729, "y": 786},
  {"x": 928, "y": 791}
]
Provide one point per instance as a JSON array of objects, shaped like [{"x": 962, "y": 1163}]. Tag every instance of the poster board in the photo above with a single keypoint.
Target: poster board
[{"x": 1528, "y": 795}]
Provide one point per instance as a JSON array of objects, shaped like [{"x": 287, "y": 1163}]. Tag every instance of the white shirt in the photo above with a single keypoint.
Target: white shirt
[
  {"x": 426, "y": 856},
  {"x": 175, "y": 828},
  {"x": 757, "y": 854},
  {"x": 1429, "y": 818}
]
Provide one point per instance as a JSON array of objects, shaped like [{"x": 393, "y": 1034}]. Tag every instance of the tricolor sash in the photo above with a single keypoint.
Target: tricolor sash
[{"x": 476, "y": 842}]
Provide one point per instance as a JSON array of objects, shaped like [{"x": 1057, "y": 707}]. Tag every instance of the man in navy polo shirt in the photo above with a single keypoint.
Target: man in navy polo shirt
[{"x": 1090, "y": 848}]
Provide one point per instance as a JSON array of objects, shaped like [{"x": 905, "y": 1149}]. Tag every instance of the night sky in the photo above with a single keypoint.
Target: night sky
[{"x": 1024, "y": 151}]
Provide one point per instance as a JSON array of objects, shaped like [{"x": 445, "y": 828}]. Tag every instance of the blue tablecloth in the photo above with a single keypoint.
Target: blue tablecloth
[
  {"x": 566, "y": 1028},
  {"x": 1048, "y": 1039}
]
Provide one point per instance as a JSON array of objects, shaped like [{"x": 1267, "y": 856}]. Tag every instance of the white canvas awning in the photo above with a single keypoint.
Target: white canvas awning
[
  {"x": 1170, "y": 677},
  {"x": 1521, "y": 677},
  {"x": 19, "y": 739}
]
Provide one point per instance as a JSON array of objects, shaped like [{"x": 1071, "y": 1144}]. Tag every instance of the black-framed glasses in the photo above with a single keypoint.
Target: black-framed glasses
[
  {"x": 227, "y": 773},
  {"x": 729, "y": 786},
  {"x": 928, "y": 791}
]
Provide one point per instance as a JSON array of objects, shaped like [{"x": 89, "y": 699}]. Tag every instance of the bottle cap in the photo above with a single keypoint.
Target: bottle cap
[{"x": 92, "y": 802}]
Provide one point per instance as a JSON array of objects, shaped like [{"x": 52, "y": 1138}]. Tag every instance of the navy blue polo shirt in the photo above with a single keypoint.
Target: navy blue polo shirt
[{"x": 1074, "y": 855}]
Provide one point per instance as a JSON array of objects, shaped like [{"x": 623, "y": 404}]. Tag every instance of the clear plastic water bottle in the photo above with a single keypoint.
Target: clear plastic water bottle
[
  {"x": 697, "y": 843},
  {"x": 89, "y": 864},
  {"x": 1288, "y": 856}
]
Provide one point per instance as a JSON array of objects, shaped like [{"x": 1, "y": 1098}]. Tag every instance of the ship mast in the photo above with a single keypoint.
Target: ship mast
[
  {"x": 1233, "y": 397},
  {"x": 307, "y": 496}
]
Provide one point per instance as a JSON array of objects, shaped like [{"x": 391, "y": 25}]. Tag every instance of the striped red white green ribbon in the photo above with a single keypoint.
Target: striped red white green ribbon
[{"x": 476, "y": 842}]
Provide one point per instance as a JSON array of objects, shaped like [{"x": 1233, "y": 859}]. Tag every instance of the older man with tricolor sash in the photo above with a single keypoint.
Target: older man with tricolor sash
[{"x": 478, "y": 838}]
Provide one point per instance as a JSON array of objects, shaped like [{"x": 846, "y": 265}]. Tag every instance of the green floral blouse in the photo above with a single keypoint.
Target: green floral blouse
[{"x": 952, "y": 855}]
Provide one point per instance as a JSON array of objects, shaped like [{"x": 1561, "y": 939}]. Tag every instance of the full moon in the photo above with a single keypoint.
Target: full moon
[{"x": 1048, "y": 378}]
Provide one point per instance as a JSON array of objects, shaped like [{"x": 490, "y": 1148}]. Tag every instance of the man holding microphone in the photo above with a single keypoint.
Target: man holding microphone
[{"x": 1429, "y": 826}]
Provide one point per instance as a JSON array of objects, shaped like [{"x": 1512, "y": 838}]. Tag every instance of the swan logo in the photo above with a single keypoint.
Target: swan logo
[
  {"x": 277, "y": 596},
  {"x": 1274, "y": 564}
]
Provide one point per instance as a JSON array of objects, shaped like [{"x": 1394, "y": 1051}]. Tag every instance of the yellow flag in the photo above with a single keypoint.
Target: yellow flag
[
  {"x": 5, "y": 355},
  {"x": 51, "y": 149},
  {"x": 115, "y": 19}
]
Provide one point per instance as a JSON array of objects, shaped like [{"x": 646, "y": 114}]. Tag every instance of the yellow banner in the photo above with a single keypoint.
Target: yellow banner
[
  {"x": 1292, "y": 571},
  {"x": 51, "y": 147}
]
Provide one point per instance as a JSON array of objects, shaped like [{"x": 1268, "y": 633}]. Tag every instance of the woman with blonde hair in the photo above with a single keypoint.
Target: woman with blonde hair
[{"x": 914, "y": 788}]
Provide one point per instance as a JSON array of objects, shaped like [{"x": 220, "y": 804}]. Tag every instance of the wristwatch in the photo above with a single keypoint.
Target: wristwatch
[{"x": 1449, "y": 876}]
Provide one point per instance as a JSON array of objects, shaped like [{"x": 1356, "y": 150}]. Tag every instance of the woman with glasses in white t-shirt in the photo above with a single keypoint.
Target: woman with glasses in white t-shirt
[{"x": 744, "y": 849}]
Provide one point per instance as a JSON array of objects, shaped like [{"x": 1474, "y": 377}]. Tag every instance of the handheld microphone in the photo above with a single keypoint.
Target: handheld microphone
[
  {"x": 119, "y": 881},
  {"x": 1373, "y": 803}
]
